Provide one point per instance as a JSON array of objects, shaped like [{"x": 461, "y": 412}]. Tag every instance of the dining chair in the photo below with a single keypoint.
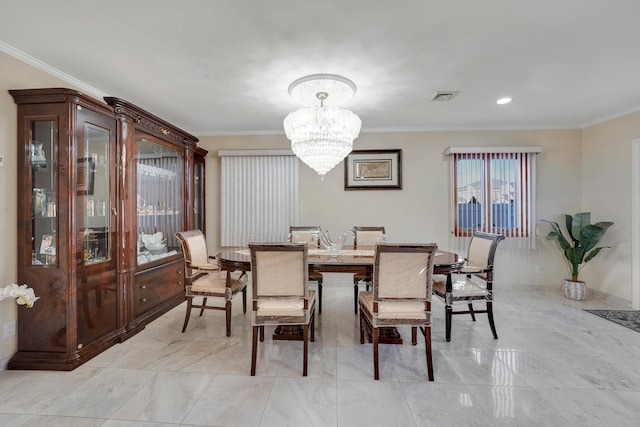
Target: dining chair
[
  {"x": 401, "y": 295},
  {"x": 205, "y": 279},
  {"x": 364, "y": 236},
  {"x": 280, "y": 295},
  {"x": 474, "y": 283},
  {"x": 309, "y": 234}
]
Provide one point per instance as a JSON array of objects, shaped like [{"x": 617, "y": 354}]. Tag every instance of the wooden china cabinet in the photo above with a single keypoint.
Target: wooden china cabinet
[
  {"x": 102, "y": 190},
  {"x": 154, "y": 206}
]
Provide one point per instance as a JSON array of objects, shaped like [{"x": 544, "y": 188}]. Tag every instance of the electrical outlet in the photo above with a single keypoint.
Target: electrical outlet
[
  {"x": 537, "y": 269},
  {"x": 9, "y": 329}
]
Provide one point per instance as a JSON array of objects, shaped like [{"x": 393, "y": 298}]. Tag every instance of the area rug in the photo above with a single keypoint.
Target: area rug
[{"x": 627, "y": 318}]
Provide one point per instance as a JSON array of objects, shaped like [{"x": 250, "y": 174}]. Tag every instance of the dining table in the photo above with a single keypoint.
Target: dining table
[{"x": 349, "y": 259}]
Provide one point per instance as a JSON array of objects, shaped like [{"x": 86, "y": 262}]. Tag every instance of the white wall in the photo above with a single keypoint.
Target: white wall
[
  {"x": 419, "y": 212},
  {"x": 606, "y": 192}
]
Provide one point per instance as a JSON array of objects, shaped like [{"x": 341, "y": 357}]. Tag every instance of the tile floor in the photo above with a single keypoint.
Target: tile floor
[{"x": 554, "y": 365}]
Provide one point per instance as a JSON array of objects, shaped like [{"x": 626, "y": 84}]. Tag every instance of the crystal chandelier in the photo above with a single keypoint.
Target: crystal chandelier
[{"x": 322, "y": 135}]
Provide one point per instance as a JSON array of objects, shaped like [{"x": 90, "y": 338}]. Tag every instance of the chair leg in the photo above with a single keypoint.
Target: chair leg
[
  {"x": 254, "y": 350},
  {"x": 244, "y": 300},
  {"x": 355, "y": 297},
  {"x": 186, "y": 317},
  {"x": 491, "y": 321},
  {"x": 261, "y": 333},
  {"x": 367, "y": 285},
  {"x": 227, "y": 309},
  {"x": 414, "y": 335},
  {"x": 313, "y": 327},
  {"x": 305, "y": 351},
  {"x": 376, "y": 370},
  {"x": 320, "y": 296},
  {"x": 448, "y": 315},
  {"x": 473, "y": 315},
  {"x": 427, "y": 344},
  {"x": 204, "y": 303}
]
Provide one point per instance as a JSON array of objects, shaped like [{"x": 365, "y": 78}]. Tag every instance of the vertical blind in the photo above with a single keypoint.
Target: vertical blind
[
  {"x": 493, "y": 192},
  {"x": 259, "y": 197}
]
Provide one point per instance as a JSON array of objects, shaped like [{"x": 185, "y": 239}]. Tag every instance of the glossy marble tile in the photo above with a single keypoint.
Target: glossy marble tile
[
  {"x": 553, "y": 365},
  {"x": 521, "y": 406},
  {"x": 372, "y": 403},
  {"x": 168, "y": 397},
  {"x": 301, "y": 402},
  {"x": 444, "y": 405},
  {"x": 232, "y": 400}
]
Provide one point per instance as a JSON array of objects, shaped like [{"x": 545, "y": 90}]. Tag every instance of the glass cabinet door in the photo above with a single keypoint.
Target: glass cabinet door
[
  {"x": 160, "y": 183},
  {"x": 43, "y": 155},
  {"x": 93, "y": 195}
]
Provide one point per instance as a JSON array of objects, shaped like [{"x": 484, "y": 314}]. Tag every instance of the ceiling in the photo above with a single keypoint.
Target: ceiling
[{"x": 224, "y": 67}]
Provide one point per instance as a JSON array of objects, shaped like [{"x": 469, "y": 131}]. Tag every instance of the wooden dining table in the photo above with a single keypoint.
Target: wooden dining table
[{"x": 349, "y": 259}]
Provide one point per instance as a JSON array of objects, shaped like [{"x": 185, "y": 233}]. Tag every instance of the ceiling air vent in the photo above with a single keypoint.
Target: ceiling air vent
[{"x": 444, "y": 95}]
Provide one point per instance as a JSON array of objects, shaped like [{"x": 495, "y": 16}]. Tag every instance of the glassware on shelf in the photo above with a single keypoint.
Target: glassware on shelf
[{"x": 39, "y": 202}]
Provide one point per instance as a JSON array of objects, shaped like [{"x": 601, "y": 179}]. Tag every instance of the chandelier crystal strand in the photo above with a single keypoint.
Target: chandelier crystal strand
[{"x": 322, "y": 136}]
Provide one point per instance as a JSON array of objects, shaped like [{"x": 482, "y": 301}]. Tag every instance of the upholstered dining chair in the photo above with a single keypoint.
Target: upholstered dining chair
[
  {"x": 364, "y": 236},
  {"x": 204, "y": 279},
  {"x": 280, "y": 295},
  {"x": 309, "y": 234},
  {"x": 401, "y": 295},
  {"x": 473, "y": 284}
]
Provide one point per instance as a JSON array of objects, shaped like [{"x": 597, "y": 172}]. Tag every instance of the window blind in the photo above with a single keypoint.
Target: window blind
[
  {"x": 259, "y": 197},
  {"x": 493, "y": 191}
]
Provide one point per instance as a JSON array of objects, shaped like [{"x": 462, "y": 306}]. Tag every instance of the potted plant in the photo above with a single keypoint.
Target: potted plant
[{"x": 579, "y": 248}]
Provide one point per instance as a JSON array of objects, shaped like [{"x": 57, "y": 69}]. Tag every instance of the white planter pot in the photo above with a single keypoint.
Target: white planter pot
[{"x": 575, "y": 290}]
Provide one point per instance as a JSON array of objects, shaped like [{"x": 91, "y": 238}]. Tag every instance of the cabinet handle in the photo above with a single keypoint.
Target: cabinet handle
[
  {"x": 143, "y": 286},
  {"x": 143, "y": 300},
  {"x": 179, "y": 272}
]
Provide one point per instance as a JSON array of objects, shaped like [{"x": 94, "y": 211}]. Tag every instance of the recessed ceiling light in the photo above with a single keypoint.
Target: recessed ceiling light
[{"x": 503, "y": 101}]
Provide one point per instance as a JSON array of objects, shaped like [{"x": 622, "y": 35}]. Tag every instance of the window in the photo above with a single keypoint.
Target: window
[
  {"x": 259, "y": 195},
  {"x": 493, "y": 190}
]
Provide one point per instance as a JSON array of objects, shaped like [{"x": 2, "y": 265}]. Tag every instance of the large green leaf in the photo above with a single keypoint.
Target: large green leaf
[
  {"x": 593, "y": 253},
  {"x": 580, "y": 222},
  {"x": 568, "y": 224},
  {"x": 592, "y": 234},
  {"x": 557, "y": 233},
  {"x": 574, "y": 256}
]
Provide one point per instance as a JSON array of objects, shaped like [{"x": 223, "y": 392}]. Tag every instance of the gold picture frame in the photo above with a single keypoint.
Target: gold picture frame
[{"x": 373, "y": 170}]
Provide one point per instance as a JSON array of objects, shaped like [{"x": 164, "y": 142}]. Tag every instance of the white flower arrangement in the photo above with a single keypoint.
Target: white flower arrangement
[{"x": 23, "y": 294}]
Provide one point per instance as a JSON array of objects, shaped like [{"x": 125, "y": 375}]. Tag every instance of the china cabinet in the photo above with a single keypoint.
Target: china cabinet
[
  {"x": 103, "y": 190},
  {"x": 66, "y": 228},
  {"x": 154, "y": 206}
]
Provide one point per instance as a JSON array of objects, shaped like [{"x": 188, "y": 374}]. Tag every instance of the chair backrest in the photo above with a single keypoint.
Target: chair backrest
[
  {"x": 194, "y": 247},
  {"x": 402, "y": 272},
  {"x": 305, "y": 234},
  {"x": 482, "y": 250},
  {"x": 279, "y": 269},
  {"x": 367, "y": 236}
]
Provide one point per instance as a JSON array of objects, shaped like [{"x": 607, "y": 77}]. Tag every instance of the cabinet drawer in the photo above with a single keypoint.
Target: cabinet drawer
[{"x": 155, "y": 286}]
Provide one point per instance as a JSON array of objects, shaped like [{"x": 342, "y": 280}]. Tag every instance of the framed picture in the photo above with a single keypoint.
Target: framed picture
[
  {"x": 373, "y": 170},
  {"x": 86, "y": 172}
]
